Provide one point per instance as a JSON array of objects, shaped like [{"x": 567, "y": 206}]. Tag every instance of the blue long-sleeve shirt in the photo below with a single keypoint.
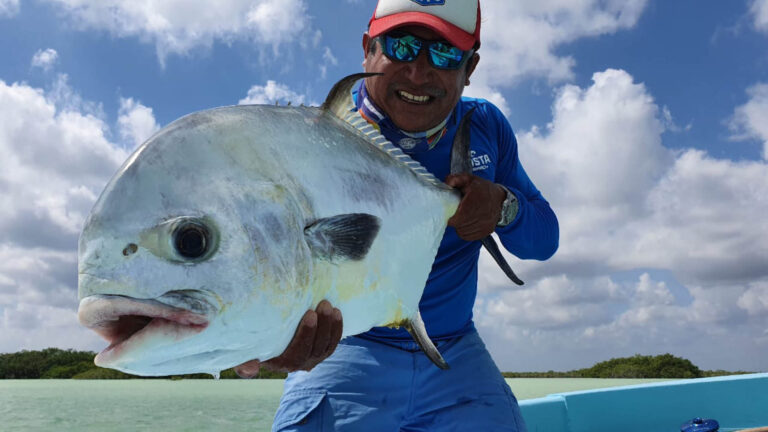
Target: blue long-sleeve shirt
[{"x": 449, "y": 295}]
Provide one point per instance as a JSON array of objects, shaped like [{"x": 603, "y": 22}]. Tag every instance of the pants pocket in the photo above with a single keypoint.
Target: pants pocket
[{"x": 300, "y": 410}]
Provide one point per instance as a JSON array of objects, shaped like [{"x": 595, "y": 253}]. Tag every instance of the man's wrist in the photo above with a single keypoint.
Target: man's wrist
[{"x": 509, "y": 208}]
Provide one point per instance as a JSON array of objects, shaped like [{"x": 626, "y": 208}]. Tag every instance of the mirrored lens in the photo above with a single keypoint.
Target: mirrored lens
[
  {"x": 406, "y": 48},
  {"x": 403, "y": 48},
  {"x": 445, "y": 56}
]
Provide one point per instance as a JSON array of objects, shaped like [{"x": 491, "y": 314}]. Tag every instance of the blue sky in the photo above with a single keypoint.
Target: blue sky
[{"x": 644, "y": 122}]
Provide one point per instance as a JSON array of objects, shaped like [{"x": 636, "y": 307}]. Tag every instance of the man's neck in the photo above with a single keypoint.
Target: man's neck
[{"x": 409, "y": 142}]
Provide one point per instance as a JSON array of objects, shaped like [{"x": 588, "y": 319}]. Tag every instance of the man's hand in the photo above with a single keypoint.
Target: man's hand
[
  {"x": 316, "y": 338},
  {"x": 480, "y": 207}
]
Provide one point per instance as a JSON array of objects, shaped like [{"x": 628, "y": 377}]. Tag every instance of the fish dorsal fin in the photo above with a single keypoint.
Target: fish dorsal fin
[
  {"x": 340, "y": 104},
  {"x": 338, "y": 101},
  {"x": 342, "y": 237}
]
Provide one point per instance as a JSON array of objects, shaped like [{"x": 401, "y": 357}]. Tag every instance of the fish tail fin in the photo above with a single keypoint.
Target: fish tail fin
[
  {"x": 415, "y": 327},
  {"x": 461, "y": 162}
]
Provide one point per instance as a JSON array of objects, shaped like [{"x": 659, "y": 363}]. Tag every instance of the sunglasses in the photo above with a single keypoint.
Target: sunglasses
[{"x": 404, "y": 47}]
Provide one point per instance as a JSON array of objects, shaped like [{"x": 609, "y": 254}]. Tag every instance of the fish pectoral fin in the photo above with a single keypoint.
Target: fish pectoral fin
[
  {"x": 342, "y": 237},
  {"x": 415, "y": 327}
]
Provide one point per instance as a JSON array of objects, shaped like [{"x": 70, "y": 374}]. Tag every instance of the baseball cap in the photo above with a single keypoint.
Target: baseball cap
[{"x": 458, "y": 21}]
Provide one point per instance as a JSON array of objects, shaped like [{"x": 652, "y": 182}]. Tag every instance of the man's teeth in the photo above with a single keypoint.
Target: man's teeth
[{"x": 413, "y": 98}]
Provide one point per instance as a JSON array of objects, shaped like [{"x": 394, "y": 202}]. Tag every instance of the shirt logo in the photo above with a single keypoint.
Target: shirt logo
[
  {"x": 408, "y": 143},
  {"x": 479, "y": 162},
  {"x": 429, "y": 2}
]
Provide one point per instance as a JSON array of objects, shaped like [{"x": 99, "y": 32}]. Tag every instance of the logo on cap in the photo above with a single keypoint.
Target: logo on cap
[{"x": 429, "y": 2}]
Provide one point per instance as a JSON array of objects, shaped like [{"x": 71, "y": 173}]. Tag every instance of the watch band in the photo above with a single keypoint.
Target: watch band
[{"x": 509, "y": 208}]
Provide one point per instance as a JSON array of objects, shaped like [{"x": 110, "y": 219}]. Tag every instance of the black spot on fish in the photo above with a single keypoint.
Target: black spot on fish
[
  {"x": 369, "y": 187},
  {"x": 130, "y": 249},
  {"x": 274, "y": 228}
]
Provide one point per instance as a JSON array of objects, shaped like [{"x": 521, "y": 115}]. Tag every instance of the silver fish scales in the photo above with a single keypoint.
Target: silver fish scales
[{"x": 218, "y": 233}]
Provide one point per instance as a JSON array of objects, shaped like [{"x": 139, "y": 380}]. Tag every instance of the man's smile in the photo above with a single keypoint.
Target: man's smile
[{"x": 411, "y": 98}]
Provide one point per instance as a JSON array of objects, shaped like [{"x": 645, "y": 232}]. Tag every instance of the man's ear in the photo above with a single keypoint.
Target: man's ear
[
  {"x": 367, "y": 40},
  {"x": 471, "y": 65}
]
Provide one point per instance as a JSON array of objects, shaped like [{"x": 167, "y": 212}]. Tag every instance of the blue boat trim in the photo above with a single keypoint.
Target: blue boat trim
[{"x": 736, "y": 402}]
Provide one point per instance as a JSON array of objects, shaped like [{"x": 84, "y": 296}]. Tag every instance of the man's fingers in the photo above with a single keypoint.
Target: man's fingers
[
  {"x": 300, "y": 347},
  {"x": 458, "y": 218},
  {"x": 458, "y": 181},
  {"x": 323, "y": 335},
  {"x": 337, "y": 329},
  {"x": 248, "y": 369},
  {"x": 317, "y": 335},
  {"x": 473, "y": 231}
]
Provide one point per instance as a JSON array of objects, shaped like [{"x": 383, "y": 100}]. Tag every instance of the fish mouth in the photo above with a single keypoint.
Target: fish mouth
[{"x": 125, "y": 322}]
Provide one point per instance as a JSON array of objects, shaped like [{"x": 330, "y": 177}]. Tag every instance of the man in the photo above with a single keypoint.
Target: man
[{"x": 426, "y": 51}]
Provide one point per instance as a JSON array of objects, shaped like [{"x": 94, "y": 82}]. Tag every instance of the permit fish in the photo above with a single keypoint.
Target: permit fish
[{"x": 218, "y": 233}]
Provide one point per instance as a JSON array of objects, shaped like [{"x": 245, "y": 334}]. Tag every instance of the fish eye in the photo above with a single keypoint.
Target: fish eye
[{"x": 192, "y": 240}]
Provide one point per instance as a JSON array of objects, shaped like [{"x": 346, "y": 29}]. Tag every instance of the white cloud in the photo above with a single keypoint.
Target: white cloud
[
  {"x": 536, "y": 331},
  {"x": 56, "y": 159},
  {"x": 602, "y": 165},
  {"x": 276, "y": 21},
  {"x": 54, "y": 164},
  {"x": 598, "y": 135},
  {"x": 669, "y": 122},
  {"x": 270, "y": 94},
  {"x": 328, "y": 60},
  {"x": 28, "y": 326},
  {"x": 554, "y": 303},
  {"x": 650, "y": 293},
  {"x": 520, "y": 39},
  {"x": 759, "y": 9},
  {"x": 8, "y": 8},
  {"x": 750, "y": 121},
  {"x": 755, "y": 300},
  {"x": 179, "y": 26},
  {"x": 136, "y": 122},
  {"x": 624, "y": 203},
  {"x": 481, "y": 90},
  {"x": 37, "y": 276},
  {"x": 706, "y": 221},
  {"x": 45, "y": 59},
  {"x": 65, "y": 99}
]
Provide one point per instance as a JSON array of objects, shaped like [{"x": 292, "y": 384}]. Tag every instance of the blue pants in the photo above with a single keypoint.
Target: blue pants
[{"x": 373, "y": 386}]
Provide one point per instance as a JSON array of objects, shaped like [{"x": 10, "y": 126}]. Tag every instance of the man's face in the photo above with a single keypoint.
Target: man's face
[{"x": 401, "y": 90}]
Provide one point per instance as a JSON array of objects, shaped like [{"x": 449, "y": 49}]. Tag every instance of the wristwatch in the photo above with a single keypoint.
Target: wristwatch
[{"x": 508, "y": 209}]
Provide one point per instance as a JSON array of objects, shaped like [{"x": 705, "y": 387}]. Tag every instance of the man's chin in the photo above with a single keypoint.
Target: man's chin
[{"x": 414, "y": 118}]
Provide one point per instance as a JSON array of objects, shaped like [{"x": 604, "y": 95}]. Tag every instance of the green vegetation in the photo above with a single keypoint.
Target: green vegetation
[
  {"x": 637, "y": 366},
  {"x": 54, "y": 363},
  {"x": 36, "y": 364}
]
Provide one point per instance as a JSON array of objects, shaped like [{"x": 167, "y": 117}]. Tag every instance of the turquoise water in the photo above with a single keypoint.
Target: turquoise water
[{"x": 187, "y": 405}]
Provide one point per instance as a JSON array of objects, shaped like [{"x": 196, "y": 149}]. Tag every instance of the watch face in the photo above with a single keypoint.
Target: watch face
[{"x": 508, "y": 209}]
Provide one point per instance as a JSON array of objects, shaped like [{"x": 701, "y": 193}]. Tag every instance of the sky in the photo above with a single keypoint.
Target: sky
[{"x": 643, "y": 122}]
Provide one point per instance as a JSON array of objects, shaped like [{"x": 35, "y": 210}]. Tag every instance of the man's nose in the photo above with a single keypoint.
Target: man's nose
[{"x": 420, "y": 69}]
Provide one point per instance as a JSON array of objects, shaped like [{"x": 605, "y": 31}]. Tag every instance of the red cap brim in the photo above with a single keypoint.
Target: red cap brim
[{"x": 456, "y": 36}]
